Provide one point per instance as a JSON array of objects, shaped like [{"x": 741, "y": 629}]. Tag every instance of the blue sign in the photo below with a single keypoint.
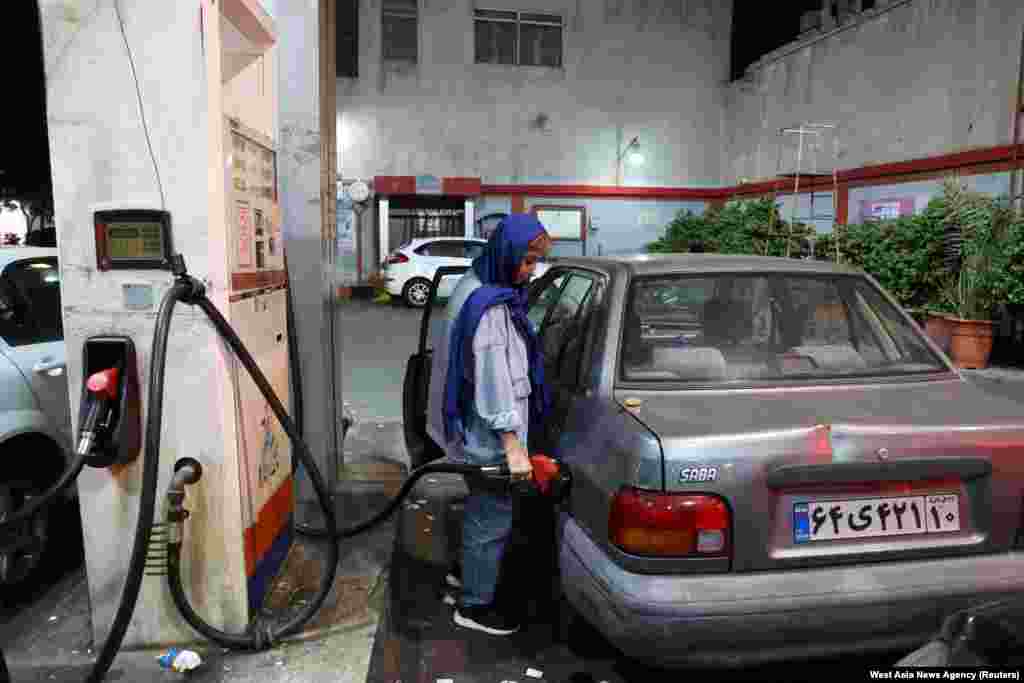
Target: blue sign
[
  {"x": 801, "y": 523},
  {"x": 428, "y": 184}
]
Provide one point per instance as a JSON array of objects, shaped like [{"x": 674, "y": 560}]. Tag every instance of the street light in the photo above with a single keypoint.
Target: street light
[{"x": 635, "y": 157}]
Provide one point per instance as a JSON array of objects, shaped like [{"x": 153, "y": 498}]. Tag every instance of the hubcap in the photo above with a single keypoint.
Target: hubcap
[{"x": 418, "y": 293}]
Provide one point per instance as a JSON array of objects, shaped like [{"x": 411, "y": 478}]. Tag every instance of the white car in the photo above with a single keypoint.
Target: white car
[{"x": 410, "y": 269}]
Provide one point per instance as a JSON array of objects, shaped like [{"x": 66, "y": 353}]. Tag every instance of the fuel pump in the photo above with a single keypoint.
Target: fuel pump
[{"x": 106, "y": 437}]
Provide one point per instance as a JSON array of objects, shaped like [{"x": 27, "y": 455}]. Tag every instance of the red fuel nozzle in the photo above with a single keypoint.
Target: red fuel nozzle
[
  {"x": 104, "y": 384},
  {"x": 545, "y": 471},
  {"x": 103, "y": 388}
]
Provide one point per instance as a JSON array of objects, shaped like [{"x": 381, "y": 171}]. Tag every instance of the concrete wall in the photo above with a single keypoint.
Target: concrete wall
[
  {"x": 99, "y": 154},
  {"x": 647, "y": 68},
  {"x": 913, "y": 79}
]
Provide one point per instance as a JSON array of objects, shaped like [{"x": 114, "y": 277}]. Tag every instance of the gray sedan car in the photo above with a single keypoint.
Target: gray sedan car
[
  {"x": 35, "y": 423},
  {"x": 771, "y": 460}
]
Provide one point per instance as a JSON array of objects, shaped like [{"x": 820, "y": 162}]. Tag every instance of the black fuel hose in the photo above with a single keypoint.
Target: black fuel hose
[
  {"x": 259, "y": 636},
  {"x": 294, "y": 357},
  {"x": 491, "y": 471},
  {"x": 147, "y": 499},
  {"x": 182, "y": 290},
  {"x": 48, "y": 496}
]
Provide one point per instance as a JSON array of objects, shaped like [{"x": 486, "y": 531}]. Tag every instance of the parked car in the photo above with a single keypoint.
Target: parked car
[
  {"x": 771, "y": 460},
  {"x": 35, "y": 423},
  {"x": 409, "y": 270}
]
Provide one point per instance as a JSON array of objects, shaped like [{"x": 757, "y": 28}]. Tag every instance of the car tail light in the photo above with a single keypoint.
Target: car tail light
[
  {"x": 669, "y": 524},
  {"x": 396, "y": 258}
]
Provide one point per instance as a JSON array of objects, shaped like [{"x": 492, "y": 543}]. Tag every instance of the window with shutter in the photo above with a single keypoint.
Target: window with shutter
[
  {"x": 518, "y": 38},
  {"x": 400, "y": 30},
  {"x": 347, "y": 38}
]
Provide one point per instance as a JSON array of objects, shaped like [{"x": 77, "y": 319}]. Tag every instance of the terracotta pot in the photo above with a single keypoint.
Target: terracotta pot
[
  {"x": 940, "y": 329},
  {"x": 971, "y": 344}
]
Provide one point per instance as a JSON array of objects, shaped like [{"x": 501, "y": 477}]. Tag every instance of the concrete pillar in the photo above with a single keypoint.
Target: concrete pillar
[
  {"x": 310, "y": 256},
  {"x": 384, "y": 230}
]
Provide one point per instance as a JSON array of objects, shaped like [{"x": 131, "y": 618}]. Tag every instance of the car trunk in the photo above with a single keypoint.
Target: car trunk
[{"x": 845, "y": 474}]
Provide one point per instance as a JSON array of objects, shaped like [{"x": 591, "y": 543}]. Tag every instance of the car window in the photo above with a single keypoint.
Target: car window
[
  {"x": 473, "y": 249},
  {"x": 544, "y": 300},
  {"x": 564, "y": 314},
  {"x": 766, "y": 328},
  {"x": 447, "y": 249},
  {"x": 30, "y": 311}
]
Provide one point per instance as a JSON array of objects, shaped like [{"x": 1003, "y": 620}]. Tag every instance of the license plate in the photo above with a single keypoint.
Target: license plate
[{"x": 826, "y": 520}]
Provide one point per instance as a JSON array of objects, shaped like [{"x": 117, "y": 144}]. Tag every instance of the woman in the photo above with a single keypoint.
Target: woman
[{"x": 494, "y": 392}]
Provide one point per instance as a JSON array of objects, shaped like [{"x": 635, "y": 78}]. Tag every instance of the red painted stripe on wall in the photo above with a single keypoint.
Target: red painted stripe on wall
[
  {"x": 394, "y": 184},
  {"x": 269, "y": 523},
  {"x": 602, "y": 191},
  {"x": 467, "y": 187}
]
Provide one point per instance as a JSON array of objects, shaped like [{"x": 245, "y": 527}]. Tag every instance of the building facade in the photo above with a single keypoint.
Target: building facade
[
  {"x": 456, "y": 112},
  {"x": 516, "y": 92}
]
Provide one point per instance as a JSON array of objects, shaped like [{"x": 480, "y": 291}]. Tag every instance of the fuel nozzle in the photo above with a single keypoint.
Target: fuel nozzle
[
  {"x": 101, "y": 392},
  {"x": 551, "y": 476}
]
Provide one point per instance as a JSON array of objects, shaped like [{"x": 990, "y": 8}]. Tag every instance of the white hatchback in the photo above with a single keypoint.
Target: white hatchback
[{"x": 409, "y": 270}]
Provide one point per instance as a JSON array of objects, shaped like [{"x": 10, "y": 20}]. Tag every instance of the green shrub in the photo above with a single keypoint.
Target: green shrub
[
  {"x": 905, "y": 255},
  {"x": 751, "y": 226}
]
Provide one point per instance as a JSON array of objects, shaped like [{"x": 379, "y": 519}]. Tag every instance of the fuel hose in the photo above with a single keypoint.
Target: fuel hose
[
  {"x": 184, "y": 289},
  {"x": 259, "y": 634},
  {"x": 180, "y": 291},
  {"x": 68, "y": 477},
  {"x": 187, "y": 289}
]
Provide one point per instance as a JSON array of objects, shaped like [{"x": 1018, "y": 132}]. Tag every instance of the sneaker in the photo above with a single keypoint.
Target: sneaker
[
  {"x": 485, "y": 618},
  {"x": 453, "y": 578}
]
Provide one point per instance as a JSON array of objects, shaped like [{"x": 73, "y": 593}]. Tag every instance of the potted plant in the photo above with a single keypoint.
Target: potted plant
[
  {"x": 938, "y": 323},
  {"x": 976, "y": 287}
]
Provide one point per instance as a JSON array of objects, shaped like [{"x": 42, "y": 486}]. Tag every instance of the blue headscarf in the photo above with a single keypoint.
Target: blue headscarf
[{"x": 496, "y": 268}]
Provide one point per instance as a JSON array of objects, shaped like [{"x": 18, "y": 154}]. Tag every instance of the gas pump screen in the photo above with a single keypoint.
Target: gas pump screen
[{"x": 133, "y": 239}]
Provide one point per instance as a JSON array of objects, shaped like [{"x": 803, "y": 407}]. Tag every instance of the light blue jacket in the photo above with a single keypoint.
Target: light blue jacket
[{"x": 501, "y": 381}]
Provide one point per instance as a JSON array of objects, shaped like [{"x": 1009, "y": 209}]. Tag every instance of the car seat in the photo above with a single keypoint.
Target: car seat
[
  {"x": 691, "y": 363},
  {"x": 727, "y": 322}
]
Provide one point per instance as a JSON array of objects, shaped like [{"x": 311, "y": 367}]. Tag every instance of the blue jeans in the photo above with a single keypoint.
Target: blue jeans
[{"x": 486, "y": 528}]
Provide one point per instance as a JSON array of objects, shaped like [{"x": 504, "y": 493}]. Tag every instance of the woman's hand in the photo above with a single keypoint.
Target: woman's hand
[{"x": 516, "y": 456}]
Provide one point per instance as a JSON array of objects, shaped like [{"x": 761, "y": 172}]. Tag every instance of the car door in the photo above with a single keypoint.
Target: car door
[
  {"x": 420, "y": 382},
  {"x": 562, "y": 337},
  {"x": 451, "y": 254},
  {"x": 438, "y": 254},
  {"x": 33, "y": 334}
]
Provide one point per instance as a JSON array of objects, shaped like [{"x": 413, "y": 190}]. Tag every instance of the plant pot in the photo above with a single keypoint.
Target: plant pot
[
  {"x": 940, "y": 329},
  {"x": 971, "y": 344}
]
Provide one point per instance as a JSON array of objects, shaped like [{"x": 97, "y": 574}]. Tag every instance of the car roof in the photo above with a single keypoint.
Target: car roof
[
  {"x": 10, "y": 254},
  {"x": 420, "y": 240},
  {"x": 672, "y": 264}
]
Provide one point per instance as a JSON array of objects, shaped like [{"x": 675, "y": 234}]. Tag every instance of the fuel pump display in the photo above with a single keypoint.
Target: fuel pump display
[{"x": 136, "y": 239}]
